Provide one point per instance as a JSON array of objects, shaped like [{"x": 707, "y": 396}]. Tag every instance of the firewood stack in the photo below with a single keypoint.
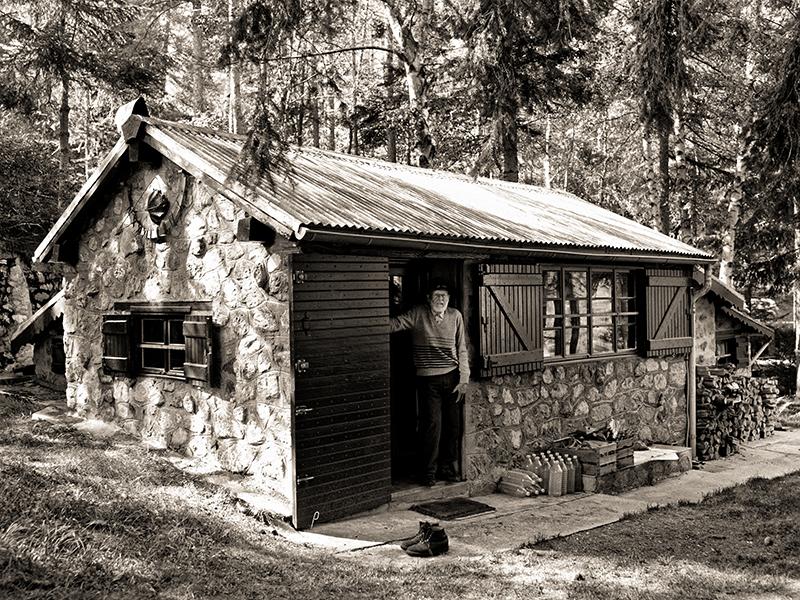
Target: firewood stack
[{"x": 732, "y": 409}]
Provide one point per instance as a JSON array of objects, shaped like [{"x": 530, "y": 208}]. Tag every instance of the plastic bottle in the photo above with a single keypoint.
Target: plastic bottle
[
  {"x": 578, "y": 474},
  {"x": 564, "y": 475},
  {"x": 556, "y": 477},
  {"x": 570, "y": 474},
  {"x": 545, "y": 473}
]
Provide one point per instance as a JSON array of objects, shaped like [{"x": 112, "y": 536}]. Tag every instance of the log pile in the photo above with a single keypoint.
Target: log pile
[{"x": 732, "y": 409}]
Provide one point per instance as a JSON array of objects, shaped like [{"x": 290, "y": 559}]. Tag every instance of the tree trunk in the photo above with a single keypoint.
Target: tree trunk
[
  {"x": 416, "y": 79},
  {"x": 87, "y": 133},
  {"x": 508, "y": 142},
  {"x": 198, "y": 58},
  {"x": 663, "y": 172},
  {"x": 546, "y": 156},
  {"x": 388, "y": 82},
  {"x": 234, "y": 84},
  {"x": 166, "y": 50},
  {"x": 796, "y": 295},
  {"x": 63, "y": 138},
  {"x": 728, "y": 251},
  {"x": 686, "y": 224},
  {"x": 315, "y": 118}
]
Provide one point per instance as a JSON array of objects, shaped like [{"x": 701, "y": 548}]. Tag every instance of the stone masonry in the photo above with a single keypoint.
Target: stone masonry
[
  {"x": 511, "y": 415},
  {"x": 244, "y": 424}
]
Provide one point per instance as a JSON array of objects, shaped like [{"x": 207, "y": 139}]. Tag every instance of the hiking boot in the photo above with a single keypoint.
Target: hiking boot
[
  {"x": 433, "y": 543},
  {"x": 449, "y": 475},
  {"x": 424, "y": 527},
  {"x": 428, "y": 480}
]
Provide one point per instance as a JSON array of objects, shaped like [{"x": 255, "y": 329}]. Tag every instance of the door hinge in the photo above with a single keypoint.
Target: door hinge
[
  {"x": 302, "y": 410},
  {"x": 299, "y": 276},
  {"x": 301, "y": 365},
  {"x": 302, "y": 480}
]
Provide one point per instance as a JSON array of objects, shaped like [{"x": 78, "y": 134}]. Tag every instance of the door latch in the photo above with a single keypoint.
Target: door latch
[
  {"x": 302, "y": 410},
  {"x": 299, "y": 276},
  {"x": 302, "y": 480},
  {"x": 301, "y": 365}
]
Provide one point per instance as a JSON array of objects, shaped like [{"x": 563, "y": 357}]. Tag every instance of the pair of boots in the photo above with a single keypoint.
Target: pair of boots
[{"x": 431, "y": 540}]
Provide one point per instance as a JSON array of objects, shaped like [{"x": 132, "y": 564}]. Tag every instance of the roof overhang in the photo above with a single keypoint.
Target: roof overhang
[
  {"x": 748, "y": 321},
  {"x": 29, "y": 330}
]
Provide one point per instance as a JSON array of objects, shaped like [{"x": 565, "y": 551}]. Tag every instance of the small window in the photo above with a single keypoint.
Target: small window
[
  {"x": 161, "y": 346},
  {"x": 589, "y": 312},
  {"x": 726, "y": 351},
  {"x": 57, "y": 357}
]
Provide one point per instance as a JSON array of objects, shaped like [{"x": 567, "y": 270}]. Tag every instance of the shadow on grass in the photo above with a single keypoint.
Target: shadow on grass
[{"x": 753, "y": 528}]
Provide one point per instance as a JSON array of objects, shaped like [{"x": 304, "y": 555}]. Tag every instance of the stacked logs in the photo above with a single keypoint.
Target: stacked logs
[{"x": 732, "y": 409}]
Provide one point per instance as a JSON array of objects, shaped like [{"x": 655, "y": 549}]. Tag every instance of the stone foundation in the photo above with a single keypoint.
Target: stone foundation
[
  {"x": 243, "y": 425},
  {"x": 509, "y": 416}
]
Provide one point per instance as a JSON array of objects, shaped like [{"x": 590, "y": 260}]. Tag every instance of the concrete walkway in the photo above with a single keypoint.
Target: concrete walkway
[{"x": 518, "y": 521}]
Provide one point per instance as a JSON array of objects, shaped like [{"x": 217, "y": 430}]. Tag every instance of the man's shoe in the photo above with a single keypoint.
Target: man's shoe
[
  {"x": 424, "y": 528},
  {"x": 428, "y": 480},
  {"x": 433, "y": 543},
  {"x": 448, "y": 475}
]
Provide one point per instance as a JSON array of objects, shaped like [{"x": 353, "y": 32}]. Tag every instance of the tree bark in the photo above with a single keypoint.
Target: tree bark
[
  {"x": 663, "y": 172},
  {"x": 234, "y": 83},
  {"x": 63, "y": 138},
  {"x": 416, "y": 77},
  {"x": 796, "y": 294},
  {"x": 87, "y": 133},
  {"x": 388, "y": 77},
  {"x": 546, "y": 155},
  {"x": 198, "y": 58},
  {"x": 508, "y": 142}
]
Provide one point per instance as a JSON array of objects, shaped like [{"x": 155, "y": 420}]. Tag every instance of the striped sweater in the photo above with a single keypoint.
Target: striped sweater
[{"x": 438, "y": 347}]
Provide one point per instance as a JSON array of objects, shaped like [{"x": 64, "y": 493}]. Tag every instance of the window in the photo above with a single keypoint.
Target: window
[
  {"x": 161, "y": 345},
  {"x": 161, "y": 340},
  {"x": 726, "y": 351},
  {"x": 588, "y": 311}
]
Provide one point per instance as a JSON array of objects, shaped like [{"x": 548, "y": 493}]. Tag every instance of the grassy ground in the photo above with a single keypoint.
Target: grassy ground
[{"x": 82, "y": 518}]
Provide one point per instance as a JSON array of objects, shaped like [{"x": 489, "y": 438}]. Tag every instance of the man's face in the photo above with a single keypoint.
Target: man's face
[{"x": 439, "y": 300}]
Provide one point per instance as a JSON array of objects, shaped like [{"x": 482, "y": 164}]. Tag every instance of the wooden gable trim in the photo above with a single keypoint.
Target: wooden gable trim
[{"x": 80, "y": 201}]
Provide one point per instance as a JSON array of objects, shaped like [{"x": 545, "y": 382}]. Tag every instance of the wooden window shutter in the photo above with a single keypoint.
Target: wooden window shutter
[
  {"x": 510, "y": 302},
  {"x": 667, "y": 310},
  {"x": 200, "y": 359},
  {"x": 117, "y": 332}
]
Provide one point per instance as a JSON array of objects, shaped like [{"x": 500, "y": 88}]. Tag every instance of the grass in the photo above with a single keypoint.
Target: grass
[{"x": 83, "y": 519}]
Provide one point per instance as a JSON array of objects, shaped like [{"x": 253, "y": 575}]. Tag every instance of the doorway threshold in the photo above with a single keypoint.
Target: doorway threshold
[{"x": 404, "y": 497}]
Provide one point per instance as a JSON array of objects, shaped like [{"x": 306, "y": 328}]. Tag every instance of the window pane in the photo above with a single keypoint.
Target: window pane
[
  {"x": 176, "y": 359},
  {"x": 602, "y": 339},
  {"x": 577, "y": 321},
  {"x": 626, "y": 337},
  {"x": 576, "y": 341},
  {"x": 552, "y": 342},
  {"x": 601, "y": 306},
  {"x": 577, "y": 307},
  {"x": 553, "y": 307},
  {"x": 552, "y": 284},
  {"x": 551, "y": 322},
  {"x": 575, "y": 284},
  {"x": 601, "y": 284},
  {"x": 153, "y": 331},
  {"x": 153, "y": 358},
  {"x": 625, "y": 284},
  {"x": 626, "y": 305},
  {"x": 176, "y": 332}
]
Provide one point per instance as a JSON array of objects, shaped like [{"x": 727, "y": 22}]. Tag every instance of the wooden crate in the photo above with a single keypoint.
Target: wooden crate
[
  {"x": 597, "y": 458},
  {"x": 624, "y": 453}
]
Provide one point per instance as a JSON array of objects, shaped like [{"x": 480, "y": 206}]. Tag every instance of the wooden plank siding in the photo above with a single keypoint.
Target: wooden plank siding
[{"x": 340, "y": 333}]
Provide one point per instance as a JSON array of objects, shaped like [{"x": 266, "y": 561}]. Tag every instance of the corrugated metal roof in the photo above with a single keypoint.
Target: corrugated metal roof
[{"x": 339, "y": 191}]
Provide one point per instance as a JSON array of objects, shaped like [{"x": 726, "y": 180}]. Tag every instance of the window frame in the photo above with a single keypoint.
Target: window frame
[
  {"x": 167, "y": 318},
  {"x": 634, "y": 294}
]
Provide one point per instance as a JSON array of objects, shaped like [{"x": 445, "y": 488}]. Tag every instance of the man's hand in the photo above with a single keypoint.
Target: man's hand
[{"x": 461, "y": 390}]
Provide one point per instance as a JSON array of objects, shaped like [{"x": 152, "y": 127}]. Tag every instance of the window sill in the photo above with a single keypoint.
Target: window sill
[{"x": 556, "y": 361}]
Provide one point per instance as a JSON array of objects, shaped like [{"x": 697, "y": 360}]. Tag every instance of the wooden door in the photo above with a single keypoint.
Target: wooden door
[{"x": 340, "y": 326}]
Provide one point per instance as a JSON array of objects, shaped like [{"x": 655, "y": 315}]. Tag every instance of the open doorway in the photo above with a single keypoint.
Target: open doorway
[{"x": 408, "y": 281}]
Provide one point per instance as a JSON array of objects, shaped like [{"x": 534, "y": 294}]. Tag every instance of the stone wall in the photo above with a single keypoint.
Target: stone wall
[
  {"x": 244, "y": 424},
  {"x": 15, "y": 305},
  {"x": 705, "y": 336},
  {"x": 511, "y": 415}
]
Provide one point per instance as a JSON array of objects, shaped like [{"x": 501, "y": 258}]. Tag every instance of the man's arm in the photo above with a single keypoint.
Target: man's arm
[
  {"x": 404, "y": 321},
  {"x": 461, "y": 349}
]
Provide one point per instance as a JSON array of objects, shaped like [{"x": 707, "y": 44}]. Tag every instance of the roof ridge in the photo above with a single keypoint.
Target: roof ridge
[{"x": 196, "y": 128}]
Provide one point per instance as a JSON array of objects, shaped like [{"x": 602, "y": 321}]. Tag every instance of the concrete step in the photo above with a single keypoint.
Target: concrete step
[{"x": 405, "y": 497}]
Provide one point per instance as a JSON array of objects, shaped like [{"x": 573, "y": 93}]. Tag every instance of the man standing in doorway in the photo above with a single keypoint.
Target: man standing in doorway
[{"x": 442, "y": 365}]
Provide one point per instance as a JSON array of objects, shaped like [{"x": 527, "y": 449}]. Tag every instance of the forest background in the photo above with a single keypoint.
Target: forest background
[{"x": 680, "y": 114}]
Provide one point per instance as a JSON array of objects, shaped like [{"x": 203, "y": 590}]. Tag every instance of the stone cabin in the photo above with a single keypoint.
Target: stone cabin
[
  {"x": 725, "y": 334},
  {"x": 248, "y": 325}
]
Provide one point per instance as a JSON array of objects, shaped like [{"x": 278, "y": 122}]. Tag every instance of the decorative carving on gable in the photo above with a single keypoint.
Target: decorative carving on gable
[{"x": 160, "y": 205}]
